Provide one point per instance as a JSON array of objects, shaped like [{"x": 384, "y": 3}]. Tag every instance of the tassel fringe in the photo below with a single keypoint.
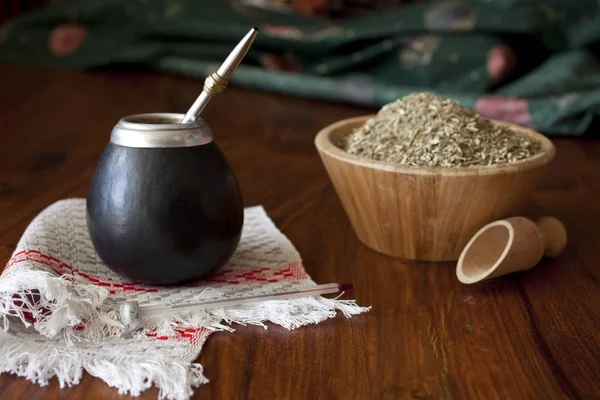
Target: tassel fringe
[
  {"x": 39, "y": 363},
  {"x": 68, "y": 312}
]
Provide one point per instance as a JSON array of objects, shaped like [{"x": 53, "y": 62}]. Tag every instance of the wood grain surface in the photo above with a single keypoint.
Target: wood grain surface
[{"x": 534, "y": 335}]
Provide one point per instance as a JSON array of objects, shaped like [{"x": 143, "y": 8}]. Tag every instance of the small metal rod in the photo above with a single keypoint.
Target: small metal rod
[{"x": 131, "y": 312}]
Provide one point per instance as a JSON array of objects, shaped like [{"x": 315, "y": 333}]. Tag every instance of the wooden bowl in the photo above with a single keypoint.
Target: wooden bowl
[{"x": 425, "y": 213}]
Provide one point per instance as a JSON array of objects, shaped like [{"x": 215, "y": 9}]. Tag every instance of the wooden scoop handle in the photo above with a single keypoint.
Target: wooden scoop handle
[{"x": 554, "y": 236}]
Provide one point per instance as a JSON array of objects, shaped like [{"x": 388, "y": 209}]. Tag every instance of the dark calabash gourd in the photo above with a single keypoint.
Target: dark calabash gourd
[{"x": 163, "y": 206}]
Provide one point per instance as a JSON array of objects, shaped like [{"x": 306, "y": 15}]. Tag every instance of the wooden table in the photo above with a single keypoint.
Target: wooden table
[{"x": 534, "y": 335}]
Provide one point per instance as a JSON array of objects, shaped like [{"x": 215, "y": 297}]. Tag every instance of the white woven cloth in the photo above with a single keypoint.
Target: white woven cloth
[{"x": 60, "y": 307}]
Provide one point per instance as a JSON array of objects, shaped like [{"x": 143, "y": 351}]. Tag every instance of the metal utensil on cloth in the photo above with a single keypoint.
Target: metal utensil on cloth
[{"x": 131, "y": 313}]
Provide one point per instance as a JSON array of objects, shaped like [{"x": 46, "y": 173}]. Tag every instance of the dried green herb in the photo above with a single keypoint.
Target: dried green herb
[{"x": 424, "y": 129}]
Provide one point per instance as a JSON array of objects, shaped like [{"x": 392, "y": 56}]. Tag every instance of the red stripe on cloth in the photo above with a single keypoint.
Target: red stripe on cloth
[
  {"x": 272, "y": 275},
  {"x": 195, "y": 336},
  {"x": 62, "y": 268}
]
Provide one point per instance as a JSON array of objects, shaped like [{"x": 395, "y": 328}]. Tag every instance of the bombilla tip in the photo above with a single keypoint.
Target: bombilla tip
[
  {"x": 346, "y": 287},
  {"x": 255, "y": 28},
  {"x": 217, "y": 81}
]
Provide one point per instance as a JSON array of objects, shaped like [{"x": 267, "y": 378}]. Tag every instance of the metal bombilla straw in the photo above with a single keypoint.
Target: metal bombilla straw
[
  {"x": 216, "y": 82},
  {"x": 131, "y": 313}
]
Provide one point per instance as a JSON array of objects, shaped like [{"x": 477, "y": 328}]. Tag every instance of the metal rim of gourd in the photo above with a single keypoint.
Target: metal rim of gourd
[{"x": 160, "y": 130}]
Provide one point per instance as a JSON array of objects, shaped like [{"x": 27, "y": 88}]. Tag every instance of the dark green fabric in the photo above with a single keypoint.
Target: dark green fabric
[{"x": 439, "y": 46}]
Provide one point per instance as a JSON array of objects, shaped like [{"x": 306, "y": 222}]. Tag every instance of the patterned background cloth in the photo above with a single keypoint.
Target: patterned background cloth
[
  {"x": 534, "y": 63},
  {"x": 60, "y": 306}
]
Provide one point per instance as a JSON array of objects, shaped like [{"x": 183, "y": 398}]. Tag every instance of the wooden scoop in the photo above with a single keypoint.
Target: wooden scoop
[{"x": 510, "y": 245}]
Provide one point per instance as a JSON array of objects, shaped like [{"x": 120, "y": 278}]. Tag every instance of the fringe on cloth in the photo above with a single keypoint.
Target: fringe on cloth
[
  {"x": 54, "y": 305},
  {"x": 130, "y": 375},
  {"x": 58, "y": 304}
]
